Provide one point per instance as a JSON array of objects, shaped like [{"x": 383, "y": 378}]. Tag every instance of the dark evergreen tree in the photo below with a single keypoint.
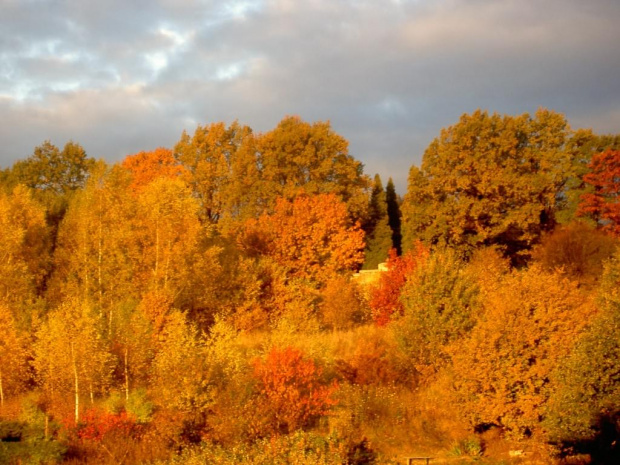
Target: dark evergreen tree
[
  {"x": 378, "y": 232},
  {"x": 393, "y": 212}
]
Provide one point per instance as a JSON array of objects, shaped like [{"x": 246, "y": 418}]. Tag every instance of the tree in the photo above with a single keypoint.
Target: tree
[
  {"x": 489, "y": 180},
  {"x": 69, "y": 354},
  {"x": 95, "y": 254},
  {"x": 54, "y": 175},
  {"x": 53, "y": 170},
  {"x": 393, "y": 211},
  {"x": 291, "y": 389},
  {"x": 221, "y": 169},
  {"x": 582, "y": 146},
  {"x": 24, "y": 246},
  {"x": 378, "y": 231},
  {"x": 310, "y": 236},
  {"x": 502, "y": 370},
  {"x": 385, "y": 298},
  {"x": 167, "y": 236},
  {"x": 178, "y": 366},
  {"x": 145, "y": 167},
  {"x": 604, "y": 203},
  {"x": 298, "y": 157},
  {"x": 13, "y": 369},
  {"x": 440, "y": 305}
]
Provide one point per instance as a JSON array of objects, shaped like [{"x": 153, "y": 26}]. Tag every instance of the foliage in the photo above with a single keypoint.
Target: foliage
[
  {"x": 297, "y": 157},
  {"x": 385, "y": 298},
  {"x": 394, "y": 215},
  {"x": 291, "y": 390},
  {"x": 145, "y": 167},
  {"x": 24, "y": 246},
  {"x": 587, "y": 384},
  {"x": 13, "y": 369},
  {"x": 489, "y": 180},
  {"x": 378, "y": 230},
  {"x": 577, "y": 249},
  {"x": 603, "y": 204},
  {"x": 304, "y": 448},
  {"x": 502, "y": 370},
  {"x": 343, "y": 305},
  {"x": 310, "y": 236},
  {"x": 440, "y": 301}
]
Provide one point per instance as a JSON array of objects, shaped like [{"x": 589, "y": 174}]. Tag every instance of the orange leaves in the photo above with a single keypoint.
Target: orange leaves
[
  {"x": 604, "y": 203},
  {"x": 291, "y": 388},
  {"x": 148, "y": 166},
  {"x": 384, "y": 300},
  {"x": 310, "y": 236}
]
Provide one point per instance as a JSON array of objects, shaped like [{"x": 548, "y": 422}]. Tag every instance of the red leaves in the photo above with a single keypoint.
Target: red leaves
[
  {"x": 604, "y": 203},
  {"x": 384, "y": 300},
  {"x": 97, "y": 425},
  {"x": 291, "y": 388}
]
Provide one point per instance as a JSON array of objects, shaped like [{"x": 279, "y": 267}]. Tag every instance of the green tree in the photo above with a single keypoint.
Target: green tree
[
  {"x": 441, "y": 304},
  {"x": 378, "y": 231},
  {"x": 489, "y": 180},
  {"x": 587, "y": 383}
]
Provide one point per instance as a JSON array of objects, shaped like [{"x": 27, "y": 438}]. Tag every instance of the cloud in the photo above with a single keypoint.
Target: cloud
[{"x": 120, "y": 77}]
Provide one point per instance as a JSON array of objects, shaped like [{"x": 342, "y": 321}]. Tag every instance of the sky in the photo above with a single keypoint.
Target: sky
[{"x": 123, "y": 76}]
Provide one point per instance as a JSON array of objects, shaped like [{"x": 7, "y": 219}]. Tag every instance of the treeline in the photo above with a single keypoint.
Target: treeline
[{"x": 205, "y": 294}]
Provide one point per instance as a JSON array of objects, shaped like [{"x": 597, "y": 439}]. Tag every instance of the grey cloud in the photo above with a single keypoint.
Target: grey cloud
[{"x": 388, "y": 75}]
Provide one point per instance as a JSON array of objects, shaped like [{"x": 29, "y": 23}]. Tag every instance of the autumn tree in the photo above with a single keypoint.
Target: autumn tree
[
  {"x": 145, "y": 167},
  {"x": 53, "y": 174},
  {"x": 178, "y": 366},
  {"x": 70, "y": 355},
  {"x": 291, "y": 390},
  {"x": 582, "y": 146},
  {"x": 311, "y": 236},
  {"x": 489, "y": 180},
  {"x": 13, "y": 369},
  {"x": 167, "y": 236},
  {"x": 24, "y": 246},
  {"x": 95, "y": 257},
  {"x": 603, "y": 204},
  {"x": 587, "y": 383},
  {"x": 502, "y": 370},
  {"x": 222, "y": 170},
  {"x": 385, "y": 298},
  {"x": 377, "y": 228},
  {"x": 299, "y": 157}
]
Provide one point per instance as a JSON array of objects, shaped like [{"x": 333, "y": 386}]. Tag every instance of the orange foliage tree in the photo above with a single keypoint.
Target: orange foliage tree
[
  {"x": 291, "y": 389},
  {"x": 502, "y": 371},
  {"x": 148, "y": 166},
  {"x": 384, "y": 300},
  {"x": 604, "y": 203},
  {"x": 310, "y": 236}
]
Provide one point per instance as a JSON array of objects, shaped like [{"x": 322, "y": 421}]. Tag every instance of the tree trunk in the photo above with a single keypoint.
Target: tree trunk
[
  {"x": 77, "y": 384},
  {"x": 126, "y": 374},
  {"x": 1, "y": 392}
]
